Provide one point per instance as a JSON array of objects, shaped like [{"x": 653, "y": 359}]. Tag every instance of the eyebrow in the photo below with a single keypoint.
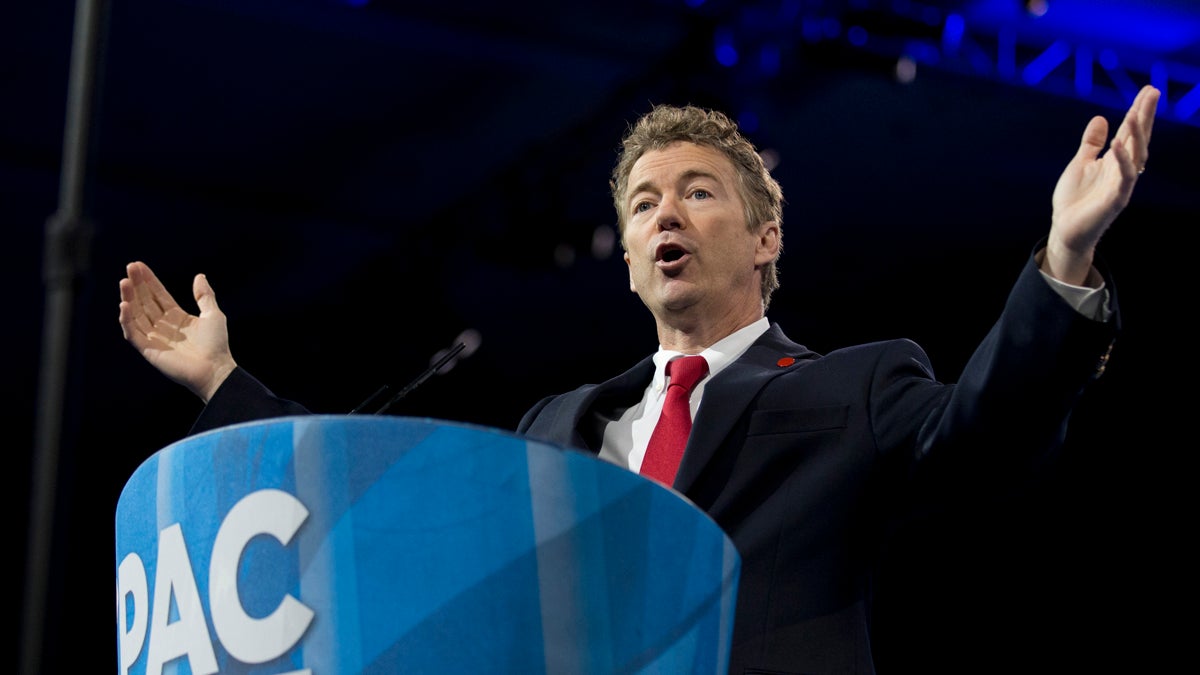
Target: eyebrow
[{"x": 686, "y": 176}]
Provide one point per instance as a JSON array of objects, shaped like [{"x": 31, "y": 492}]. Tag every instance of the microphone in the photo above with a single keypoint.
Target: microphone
[{"x": 450, "y": 355}]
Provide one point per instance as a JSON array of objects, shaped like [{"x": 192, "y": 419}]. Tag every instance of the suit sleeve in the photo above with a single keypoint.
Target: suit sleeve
[
  {"x": 242, "y": 398},
  {"x": 1008, "y": 413}
]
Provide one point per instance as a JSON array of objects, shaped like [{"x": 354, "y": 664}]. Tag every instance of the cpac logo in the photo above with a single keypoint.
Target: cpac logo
[{"x": 245, "y": 638}]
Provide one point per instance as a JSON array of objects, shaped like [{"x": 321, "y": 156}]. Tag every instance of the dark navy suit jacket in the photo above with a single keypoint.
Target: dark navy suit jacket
[{"x": 806, "y": 460}]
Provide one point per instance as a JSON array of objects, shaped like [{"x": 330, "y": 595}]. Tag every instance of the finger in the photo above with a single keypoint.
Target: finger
[
  {"x": 1135, "y": 129},
  {"x": 206, "y": 298},
  {"x": 1127, "y": 174},
  {"x": 1148, "y": 108},
  {"x": 147, "y": 290},
  {"x": 129, "y": 285},
  {"x": 159, "y": 293},
  {"x": 127, "y": 293},
  {"x": 1125, "y": 162},
  {"x": 154, "y": 293},
  {"x": 140, "y": 273},
  {"x": 1095, "y": 136},
  {"x": 1145, "y": 125},
  {"x": 125, "y": 318},
  {"x": 145, "y": 330},
  {"x": 135, "y": 325},
  {"x": 133, "y": 320}
]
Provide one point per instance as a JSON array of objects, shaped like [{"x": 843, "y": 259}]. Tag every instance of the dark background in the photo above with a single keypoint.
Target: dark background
[{"x": 363, "y": 181}]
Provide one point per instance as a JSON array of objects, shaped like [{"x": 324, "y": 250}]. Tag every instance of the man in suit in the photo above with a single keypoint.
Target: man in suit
[{"x": 802, "y": 458}]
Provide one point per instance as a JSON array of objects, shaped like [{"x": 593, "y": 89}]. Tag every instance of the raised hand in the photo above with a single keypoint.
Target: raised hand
[
  {"x": 189, "y": 349},
  {"x": 1096, "y": 187}
]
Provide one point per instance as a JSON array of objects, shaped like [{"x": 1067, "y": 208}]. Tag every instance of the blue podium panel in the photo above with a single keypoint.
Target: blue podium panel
[{"x": 335, "y": 544}]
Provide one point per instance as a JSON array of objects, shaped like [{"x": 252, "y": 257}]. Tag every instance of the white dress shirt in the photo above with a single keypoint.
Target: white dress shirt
[{"x": 626, "y": 438}]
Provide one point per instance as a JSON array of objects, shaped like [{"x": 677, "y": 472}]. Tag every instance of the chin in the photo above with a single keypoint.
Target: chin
[{"x": 678, "y": 302}]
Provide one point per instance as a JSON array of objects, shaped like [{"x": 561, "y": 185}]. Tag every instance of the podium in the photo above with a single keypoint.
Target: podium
[{"x": 326, "y": 545}]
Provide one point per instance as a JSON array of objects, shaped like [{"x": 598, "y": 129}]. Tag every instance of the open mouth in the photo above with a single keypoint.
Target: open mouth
[
  {"x": 671, "y": 258},
  {"x": 672, "y": 254},
  {"x": 669, "y": 252}
]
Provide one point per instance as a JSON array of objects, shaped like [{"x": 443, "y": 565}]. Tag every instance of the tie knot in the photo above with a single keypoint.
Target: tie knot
[{"x": 686, "y": 371}]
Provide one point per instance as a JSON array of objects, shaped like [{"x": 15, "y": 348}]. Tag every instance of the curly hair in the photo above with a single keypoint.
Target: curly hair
[{"x": 664, "y": 125}]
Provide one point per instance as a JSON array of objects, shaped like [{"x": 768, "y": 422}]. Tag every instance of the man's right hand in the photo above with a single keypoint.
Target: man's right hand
[{"x": 191, "y": 350}]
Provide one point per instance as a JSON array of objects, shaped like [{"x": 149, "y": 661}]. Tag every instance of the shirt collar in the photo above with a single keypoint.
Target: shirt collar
[{"x": 722, "y": 353}]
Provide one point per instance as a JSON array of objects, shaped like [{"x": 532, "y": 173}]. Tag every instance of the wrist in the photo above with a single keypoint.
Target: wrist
[
  {"x": 1066, "y": 265},
  {"x": 218, "y": 377}
]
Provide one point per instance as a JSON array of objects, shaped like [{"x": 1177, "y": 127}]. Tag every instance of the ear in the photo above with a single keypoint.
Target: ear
[
  {"x": 767, "y": 248},
  {"x": 628, "y": 264}
]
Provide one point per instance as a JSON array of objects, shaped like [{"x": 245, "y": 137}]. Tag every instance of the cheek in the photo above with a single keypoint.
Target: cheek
[
  {"x": 638, "y": 264},
  {"x": 635, "y": 240}
]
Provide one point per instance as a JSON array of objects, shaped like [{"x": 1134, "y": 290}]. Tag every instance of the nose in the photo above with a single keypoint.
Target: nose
[{"x": 668, "y": 215}]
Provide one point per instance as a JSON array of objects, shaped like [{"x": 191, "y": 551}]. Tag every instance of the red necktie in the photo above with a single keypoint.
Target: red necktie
[{"x": 671, "y": 434}]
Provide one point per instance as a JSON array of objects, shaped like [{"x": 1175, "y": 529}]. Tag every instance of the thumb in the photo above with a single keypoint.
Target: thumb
[
  {"x": 1095, "y": 137},
  {"x": 206, "y": 299}
]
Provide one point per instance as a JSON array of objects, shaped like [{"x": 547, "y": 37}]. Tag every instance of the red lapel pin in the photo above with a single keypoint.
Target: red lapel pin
[{"x": 785, "y": 362}]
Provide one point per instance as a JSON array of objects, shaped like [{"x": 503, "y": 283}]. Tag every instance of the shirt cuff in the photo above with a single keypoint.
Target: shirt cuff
[{"x": 1090, "y": 301}]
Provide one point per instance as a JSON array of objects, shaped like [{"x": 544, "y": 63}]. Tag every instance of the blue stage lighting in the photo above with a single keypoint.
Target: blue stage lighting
[
  {"x": 769, "y": 59},
  {"x": 1083, "y": 71},
  {"x": 952, "y": 32},
  {"x": 1047, "y": 61},
  {"x": 857, "y": 35},
  {"x": 726, "y": 53}
]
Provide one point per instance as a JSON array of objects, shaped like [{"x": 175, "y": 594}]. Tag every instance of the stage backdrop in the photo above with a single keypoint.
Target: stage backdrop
[{"x": 360, "y": 544}]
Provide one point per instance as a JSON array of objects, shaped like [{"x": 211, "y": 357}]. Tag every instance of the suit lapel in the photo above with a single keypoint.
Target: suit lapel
[
  {"x": 728, "y": 395},
  {"x": 608, "y": 396},
  {"x": 726, "y": 398}
]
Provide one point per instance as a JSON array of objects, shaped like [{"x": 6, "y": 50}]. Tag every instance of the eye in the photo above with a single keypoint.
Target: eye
[
  {"x": 641, "y": 207},
  {"x": 701, "y": 194}
]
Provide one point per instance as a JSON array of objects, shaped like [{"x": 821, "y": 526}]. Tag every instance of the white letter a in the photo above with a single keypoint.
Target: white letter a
[{"x": 187, "y": 636}]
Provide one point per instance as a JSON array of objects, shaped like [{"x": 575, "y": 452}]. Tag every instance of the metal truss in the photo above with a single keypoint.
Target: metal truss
[{"x": 1075, "y": 64}]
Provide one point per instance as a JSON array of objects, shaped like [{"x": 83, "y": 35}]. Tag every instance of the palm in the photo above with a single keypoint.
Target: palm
[
  {"x": 1090, "y": 193},
  {"x": 192, "y": 350},
  {"x": 178, "y": 343}
]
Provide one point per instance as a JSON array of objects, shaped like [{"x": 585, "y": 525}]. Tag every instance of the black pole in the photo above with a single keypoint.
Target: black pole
[{"x": 67, "y": 244}]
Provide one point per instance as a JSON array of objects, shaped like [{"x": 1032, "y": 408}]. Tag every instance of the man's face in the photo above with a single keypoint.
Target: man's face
[{"x": 689, "y": 251}]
